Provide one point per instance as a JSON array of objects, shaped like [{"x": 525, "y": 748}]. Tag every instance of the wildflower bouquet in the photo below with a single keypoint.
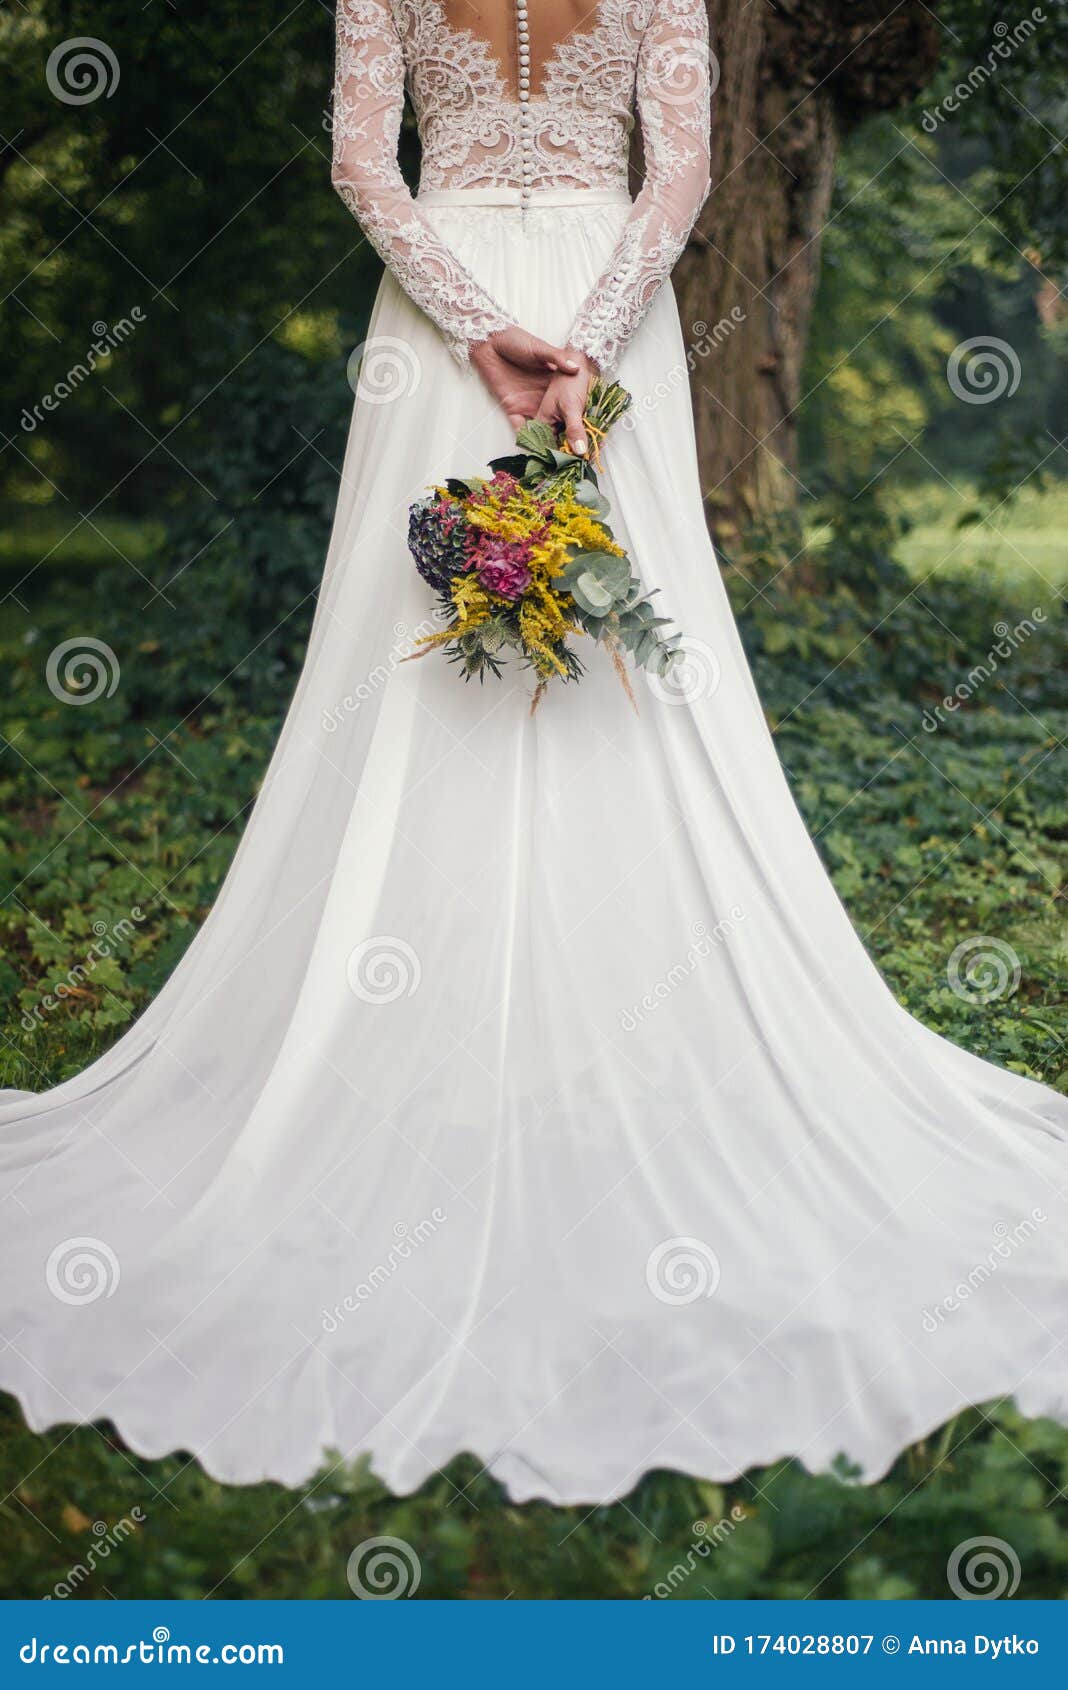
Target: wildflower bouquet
[{"x": 524, "y": 560}]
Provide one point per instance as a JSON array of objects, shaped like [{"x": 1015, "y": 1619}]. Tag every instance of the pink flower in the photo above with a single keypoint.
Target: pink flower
[
  {"x": 498, "y": 488},
  {"x": 502, "y": 566},
  {"x": 509, "y": 580}
]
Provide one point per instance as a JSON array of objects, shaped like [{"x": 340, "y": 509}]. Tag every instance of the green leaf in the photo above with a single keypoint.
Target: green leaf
[
  {"x": 611, "y": 573},
  {"x": 588, "y": 592},
  {"x": 589, "y": 495},
  {"x": 537, "y": 438}
]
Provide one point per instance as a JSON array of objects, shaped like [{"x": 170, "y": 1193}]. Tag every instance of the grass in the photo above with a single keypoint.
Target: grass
[
  {"x": 1026, "y": 541},
  {"x": 58, "y": 541},
  {"x": 931, "y": 836}
]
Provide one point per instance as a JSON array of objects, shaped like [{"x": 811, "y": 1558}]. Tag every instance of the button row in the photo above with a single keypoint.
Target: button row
[{"x": 522, "y": 24}]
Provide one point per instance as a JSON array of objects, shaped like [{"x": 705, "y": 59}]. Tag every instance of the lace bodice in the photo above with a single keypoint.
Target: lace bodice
[{"x": 533, "y": 99}]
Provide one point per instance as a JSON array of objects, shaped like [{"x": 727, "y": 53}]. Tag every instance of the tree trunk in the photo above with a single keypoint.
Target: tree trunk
[{"x": 792, "y": 78}]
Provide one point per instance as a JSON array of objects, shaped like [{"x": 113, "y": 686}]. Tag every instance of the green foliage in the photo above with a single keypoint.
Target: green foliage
[
  {"x": 200, "y": 181},
  {"x": 777, "y": 1533},
  {"x": 912, "y": 267},
  {"x": 1014, "y": 65}
]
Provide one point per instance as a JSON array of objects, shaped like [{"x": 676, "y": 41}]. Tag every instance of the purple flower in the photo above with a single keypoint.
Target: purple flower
[{"x": 438, "y": 540}]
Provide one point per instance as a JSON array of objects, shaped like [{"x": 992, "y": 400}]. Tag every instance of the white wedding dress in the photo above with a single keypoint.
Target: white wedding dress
[{"x": 528, "y": 1092}]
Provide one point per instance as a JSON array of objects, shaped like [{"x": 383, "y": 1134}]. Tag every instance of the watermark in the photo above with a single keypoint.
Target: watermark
[
  {"x": 682, "y": 1270},
  {"x": 1008, "y": 38},
  {"x": 108, "y": 338},
  {"x": 1007, "y": 1240},
  {"x": 983, "y": 1569},
  {"x": 982, "y": 969},
  {"x": 74, "y": 982},
  {"x": 680, "y": 69},
  {"x": 81, "y": 670},
  {"x": 407, "y": 645},
  {"x": 694, "y": 674},
  {"x": 383, "y": 369},
  {"x": 983, "y": 369},
  {"x": 381, "y": 1569},
  {"x": 107, "y": 1539},
  {"x": 705, "y": 1539},
  {"x": 155, "y": 1651},
  {"x": 81, "y": 69},
  {"x": 705, "y": 942},
  {"x": 1008, "y": 641},
  {"x": 705, "y": 342},
  {"x": 406, "y": 1241},
  {"x": 82, "y": 1270},
  {"x": 382, "y": 969}
]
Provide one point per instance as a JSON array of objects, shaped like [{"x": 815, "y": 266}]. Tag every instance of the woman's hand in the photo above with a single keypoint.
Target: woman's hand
[
  {"x": 517, "y": 368},
  {"x": 564, "y": 400}
]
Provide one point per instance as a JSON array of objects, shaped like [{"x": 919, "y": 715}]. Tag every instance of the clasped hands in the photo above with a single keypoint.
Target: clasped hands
[{"x": 530, "y": 377}]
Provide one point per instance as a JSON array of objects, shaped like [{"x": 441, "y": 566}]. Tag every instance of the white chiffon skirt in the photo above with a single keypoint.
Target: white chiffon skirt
[{"x": 528, "y": 1092}]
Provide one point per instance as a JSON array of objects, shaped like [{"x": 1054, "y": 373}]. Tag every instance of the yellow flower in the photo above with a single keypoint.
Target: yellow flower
[
  {"x": 573, "y": 523},
  {"x": 515, "y": 518},
  {"x": 472, "y": 602}
]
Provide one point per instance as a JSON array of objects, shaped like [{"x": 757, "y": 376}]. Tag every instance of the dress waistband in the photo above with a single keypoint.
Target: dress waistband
[{"x": 523, "y": 197}]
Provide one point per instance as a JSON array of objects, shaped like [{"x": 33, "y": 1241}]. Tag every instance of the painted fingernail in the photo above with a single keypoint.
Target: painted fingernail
[{"x": 580, "y": 448}]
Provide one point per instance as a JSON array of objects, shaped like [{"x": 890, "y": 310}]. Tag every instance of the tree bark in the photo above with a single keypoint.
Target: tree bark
[{"x": 793, "y": 77}]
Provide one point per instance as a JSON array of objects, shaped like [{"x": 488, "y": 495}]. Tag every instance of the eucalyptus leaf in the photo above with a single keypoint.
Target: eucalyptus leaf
[
  {"x": 589, "y": 496},
  {"x": 593, "y": 598},
  {"x": 611, "y": 572}
]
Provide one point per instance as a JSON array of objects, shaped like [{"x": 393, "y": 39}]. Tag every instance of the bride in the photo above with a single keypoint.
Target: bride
[{"x": 528, "y": 1092}]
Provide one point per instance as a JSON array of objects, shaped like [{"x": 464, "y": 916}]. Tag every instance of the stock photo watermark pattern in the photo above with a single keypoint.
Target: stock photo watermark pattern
[
  {"x": 682, "y": 1270},
  {"x": 81, "y": 70},
  {"x": 383, "y": 1569},
  {"x": 82, "y": 670},
  {"x": 81, "y": 1271}
]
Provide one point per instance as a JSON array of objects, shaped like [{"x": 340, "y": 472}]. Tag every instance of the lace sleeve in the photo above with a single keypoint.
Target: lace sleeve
[
  {"x": 673, "y": 105},
  {"x": 368, "y": 105}
]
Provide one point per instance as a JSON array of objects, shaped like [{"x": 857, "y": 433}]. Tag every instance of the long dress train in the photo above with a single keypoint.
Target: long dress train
[{"x": 527, "y": 1092}]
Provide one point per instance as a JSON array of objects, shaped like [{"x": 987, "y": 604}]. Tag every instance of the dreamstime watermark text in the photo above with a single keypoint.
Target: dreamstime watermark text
[
  {"x": 1008, "y": 641},
  {"x": 1007, "y": 1240},
  {"x": 407, "y": 646},
  {"x": 406, "y": 1241},
  {"x": 707, "y": 338},
  {"x": 79, "y": 978},
  {"x": 1007, "y": 39},
  {"x": 706, "y": 1538},
  {"x": 106, "y": 1539},
  {"x": 108, "y": 338},
  {"x": 705, "y": 942}
]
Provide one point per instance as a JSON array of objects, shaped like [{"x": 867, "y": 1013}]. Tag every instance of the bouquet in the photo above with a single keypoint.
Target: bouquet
[{"x": 523, "y": 561}]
